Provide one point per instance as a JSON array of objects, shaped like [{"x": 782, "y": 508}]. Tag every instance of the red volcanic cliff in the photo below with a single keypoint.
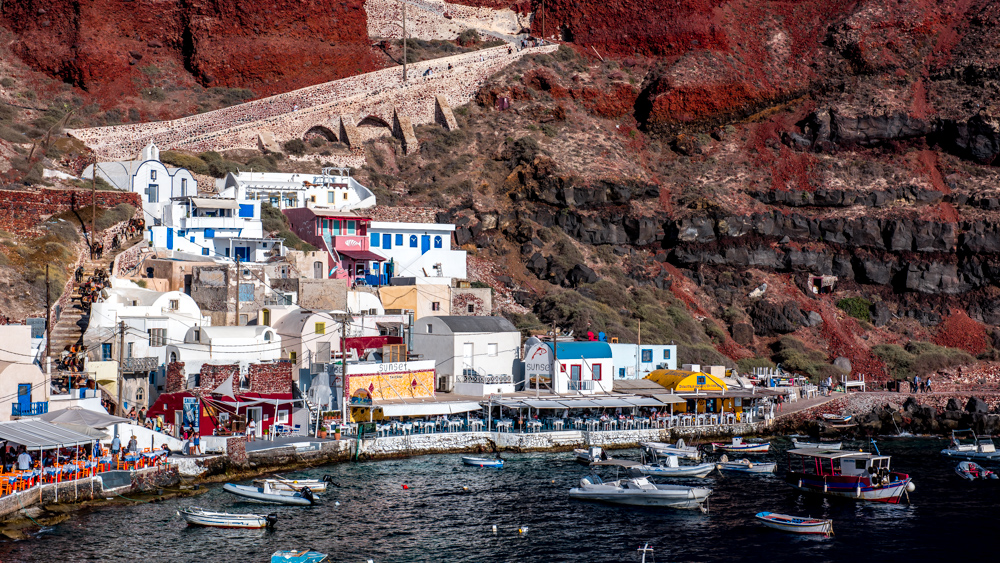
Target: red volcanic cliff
[{"x": 271, "y": 46}]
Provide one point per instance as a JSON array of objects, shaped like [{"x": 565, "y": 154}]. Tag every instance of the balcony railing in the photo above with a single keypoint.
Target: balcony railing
[
  {"x": 30, "y": 409},
  {"x": 581, "y": 385},
  {"x": 212, "y": 222},
  {"x": 486, "y": 379},
  {"x": 141, "y": 364}
]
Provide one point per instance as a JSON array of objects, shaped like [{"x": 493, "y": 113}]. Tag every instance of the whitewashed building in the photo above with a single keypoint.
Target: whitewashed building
[
  {"x": 218, "y": 227},
  {"x": 479, "y": 355},
  {"x": 23, "y": 385},
  {"x": 575, "y": 368},
  {"x": 149, "y": 177},
  {"x": 333, "y": 188},
  {"x": 242, "y": 345},
  {"x": 422, "y": 251},
  {"x": 635, "y": 361}
]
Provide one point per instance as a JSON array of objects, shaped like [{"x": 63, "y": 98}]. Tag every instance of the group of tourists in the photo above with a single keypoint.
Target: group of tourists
[
  {"x": 90, "y": 290},
  {"x": 71, "y": 359}
]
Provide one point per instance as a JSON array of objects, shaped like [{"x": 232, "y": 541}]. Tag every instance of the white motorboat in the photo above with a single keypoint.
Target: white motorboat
[
  {"x": 590, "y": 455},
  {"x": 981, "y": 448},
  {"x": 822, "y": 445},
  {"x": 482, "y": 462},
  {"x": 271, "y": 496},
  {"x": 635, "y": 489},
  {"x": 679, "y": 449},
  {"x": 669, "y": 466},
  {"x": 745, "y": 466},
  {"x": 200, "y": 517},
  {"x": 282, "y": 484},
  {"x": 796, "y": 524},
  {"x": 971, "y": 471},
  {"x": 739, "y": 446}
]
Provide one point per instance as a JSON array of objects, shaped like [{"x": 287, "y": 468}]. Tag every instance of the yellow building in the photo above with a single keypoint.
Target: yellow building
[
  {"x": 694, "y": 386},
  {"x": 423, "y": 300}
]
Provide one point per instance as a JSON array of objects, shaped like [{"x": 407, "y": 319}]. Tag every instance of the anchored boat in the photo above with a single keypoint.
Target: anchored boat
[
  {"x": 635, "y": 489},
  {"x": 482, "y": 462},
  {"x": 971, "y": 471},
  {"x": 854, "y": 475},
  {"x": 795, "y": 524},
  {"x": 200, "y": 517},
  {"x": 825, "y": 445},
  {"x": 266, "y": 494},
  {"x": 298, "y": 557},
  {"x": 739, "y": 446},
  {"x": 282, "y": 484},
  {"x": 668, "y": 466},
  {"x": 590, "y": 455},
  {"x": 981, "y": 448},
  {"x": 679, "y": 449},
  {"x": 745, "y": 466}
]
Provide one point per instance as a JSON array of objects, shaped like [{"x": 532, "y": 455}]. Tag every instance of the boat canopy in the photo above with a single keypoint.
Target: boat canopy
[{"x": 830, "y": 454}]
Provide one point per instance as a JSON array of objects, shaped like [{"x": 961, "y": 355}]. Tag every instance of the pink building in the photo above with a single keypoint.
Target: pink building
[{"x": 345, "y": 235}]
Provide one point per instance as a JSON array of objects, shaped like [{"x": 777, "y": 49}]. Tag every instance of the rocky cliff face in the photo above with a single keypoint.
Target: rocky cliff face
[{"x": 269, "y": 46}]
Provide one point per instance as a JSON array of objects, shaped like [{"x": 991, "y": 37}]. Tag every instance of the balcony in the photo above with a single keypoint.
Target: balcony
[
  {"x": 581, "y": 385},
  {"x": 212, "y": 222},
  {"x": 486, "y": 379},
  {"x": 30, "y": 409},
  {"x": 135, "y": 365}
]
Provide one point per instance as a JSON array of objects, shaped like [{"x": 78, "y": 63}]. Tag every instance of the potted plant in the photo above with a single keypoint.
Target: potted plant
[
  {"x": 336, "y": 433},
  {"x": 322, "y": 431}
]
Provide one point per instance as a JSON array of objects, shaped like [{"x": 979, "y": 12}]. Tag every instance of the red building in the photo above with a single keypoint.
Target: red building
[{"x": 344, "y": 234}]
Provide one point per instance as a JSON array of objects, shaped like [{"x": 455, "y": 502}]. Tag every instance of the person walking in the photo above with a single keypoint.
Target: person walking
[
  {"x": 251, "y": 430},
  {"x": 927, "y": 384},
  {"x": 116, "y": 446}
]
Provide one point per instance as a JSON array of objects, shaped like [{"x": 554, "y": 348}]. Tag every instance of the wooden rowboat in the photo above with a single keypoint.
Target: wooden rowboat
[
  {"x": 796, "y": 524},
  {"x": 200, "y": 517},
  {"x": 482, "y": 462}
]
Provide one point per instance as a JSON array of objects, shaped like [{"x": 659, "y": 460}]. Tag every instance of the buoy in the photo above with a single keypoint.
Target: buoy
[
  {"x": 336, "y": 503},
  {"x": 494, "y": 529},
  {"x": 553, "y": 481},
  {"x": 465, "y": 488},
  {"x": 405, "y": 487}
]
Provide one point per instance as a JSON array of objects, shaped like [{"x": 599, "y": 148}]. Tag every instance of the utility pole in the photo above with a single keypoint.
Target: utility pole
[
  {"x": 555, "y": 360},
  {"x": 48, "y": 315},
  {"x": 238, "y": 290},
  {"x": 121, "y": 361},
  {"x": 93, "y": 205},
  {"x": 404, "y": 41},
  {"x": 343, "y": 365}
]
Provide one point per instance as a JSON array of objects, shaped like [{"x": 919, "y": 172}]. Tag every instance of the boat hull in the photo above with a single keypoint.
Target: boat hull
[
  {"x": 255, "y": 494},
  {"x": 744, "y": 448},
  {"x": 971, "y": 455},
  {"x": 850, "y": 488},
  {"x": 640, "y": 499},
  {"x": 699, "y": 471},
  {"x": 818, "y": 445},
  {"x": 482, "y": 462},
  {"x": 795, "y": 525},
  {"x": 315, "y": 485},
  {"x": 222, "y": 520},
  {"x": 768, "y": 467}
]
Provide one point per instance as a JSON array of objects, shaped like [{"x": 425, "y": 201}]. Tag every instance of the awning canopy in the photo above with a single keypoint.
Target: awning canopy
[
  {"x": 542, "y": 404},
  {"x": 82, "y": 416},
  {"x": 667, "y": 399},
  {"x": 41, "y": 435},
  {"x": 213, "y": 203},
  {"x": 361, "y": 255},
  {"x": 427, "y": 409}
]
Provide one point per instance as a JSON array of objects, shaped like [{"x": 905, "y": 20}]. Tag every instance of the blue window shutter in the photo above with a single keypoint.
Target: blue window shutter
[
  {"x": 375, "y": 240},
  {"x": 413, "y": 241},
  {"x": 204, "y": 252},
  {"x": 170, "y": 238},
  {"x": 399, "y": 240},
  {"x": 246, "y": 210},
  {"x": 437, "y": 242},
  {"x": 387, "y": 242},
  {"x": 209, "y": 233}
]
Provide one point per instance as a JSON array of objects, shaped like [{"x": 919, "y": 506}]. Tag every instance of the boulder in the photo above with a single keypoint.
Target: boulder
[
  {"x": 953, "y": 405},
  {"x": 743, "y": 334},
  {"x": 880, "y": 314},
  {"x": 580, "y": 275},
  {"x": 843, "y": 364},
  {"x": 976, "y": 405}
]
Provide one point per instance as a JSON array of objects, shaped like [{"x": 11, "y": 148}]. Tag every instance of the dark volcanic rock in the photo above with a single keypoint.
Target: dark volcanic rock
[{"x": 977, "y": 405}]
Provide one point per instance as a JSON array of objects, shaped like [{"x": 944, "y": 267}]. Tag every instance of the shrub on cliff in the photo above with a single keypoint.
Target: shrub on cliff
[
  {"x": 468, "y": 38},
  {"x": 747, "y": 365},
  {"x": 919, "y": 358},
  {"x": 219, "y": 168},
  {"x": 959, "y": 331},
  {"x": 116, "y": 214},
  {"x": 181, "y": 160},
  {"x": 702, "y": 354},
  {"x": 296, "y": 147},
  {"x": 857, "y": 307}
]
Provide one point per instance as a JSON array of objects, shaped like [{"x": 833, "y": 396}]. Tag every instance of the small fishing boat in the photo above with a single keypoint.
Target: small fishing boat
[
  {"x": 279, "y": 483},
  {"x": 846, "y": 474},
  {"x": 482, "y": 462},
  {"x": 200, "y": 517},
  {"x": 745, "y": 466},
  {"x": 824, "y": 445},
  {"x": 590, "y": 455},
  {"x": 268, "y": 495},
  {"x": 298, "y": 557},
  {"x": 836, "y": 418},
  {"x": 795, "y": 524},
  {"x": 668, "y": 466},
  {"x": 971, "y": 471},
  {"x": 680, "y": 449},
  {"x": 739, "y": 446},
  {"x": 635, "y": 489},
  {"x": 981, "y": 448}
]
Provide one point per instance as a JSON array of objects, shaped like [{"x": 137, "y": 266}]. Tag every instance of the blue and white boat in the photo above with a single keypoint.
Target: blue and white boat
[
  {"x": 268, "y": 495},
  {"x": 482, "y": 462},
  {"x": 739, "y": 446},
  {"x": 200, "y": 517},
  {"x": 745, "y": 466},
  {"x": 298, "y": 557},
  {"x": 795, "y": 524}
]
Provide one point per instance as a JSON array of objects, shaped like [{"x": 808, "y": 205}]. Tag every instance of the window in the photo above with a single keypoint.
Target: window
[
  {"x": 621, "y": 373},
  {"x": 345, "y": 196},
  {"x": 266, "y": 317},
  {"x": 197, "y": 336},
  {"x": 430, "y": 330},
  {"x": 246, "y": 292},
  {"x": 324, "y": 226},
  {"x": 574, "y": 373},
  {"x": 436, "y": 306},
  {"x": 597, "y": 372},
  {"x": 157, "y": 336},
  {"x": 312, "y": 199},
  {"x": 399, "y": 240},
  {"x": 336, "y": 227},
  {"x": 282, "y": 417},
  {"x": 267, "y": 336},
  {"x": 350, "y": 227},
  {"x": 106, "y": 351},
  {"x": 152, "y": 191},
  {"x": 139, "y": 394},
  {"x": 175, "y": 304},
  {"x": 647, "y": 356},
  {"x": 491, "y": 350},
  {"x": 292, "y": 356},
  {"x": 152, "y": 174},
  {"x": 413, "y": 241},
  {"x": 470, "y": 308},
  {"x": 331, "y": 197},
  {"x": 128, "y": 349},
  {"x": 375, "y": 240},
  {"x": 204, "y": 252},
  {"x": 184, "y": 186},
  {"x": 387, "y": 241},
  {"x": 700, "y": 380},
  {"x": 244, "y": 320},
  {"x": 438, "y": 242},
  {"x": 666, "y": 353},
  {"x": 320, "y": 328}
]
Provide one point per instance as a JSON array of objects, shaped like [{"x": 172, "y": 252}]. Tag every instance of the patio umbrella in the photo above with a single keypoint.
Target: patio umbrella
[
  {"x": 84, "y": 429},
  {"x": 82, "y": 416}
]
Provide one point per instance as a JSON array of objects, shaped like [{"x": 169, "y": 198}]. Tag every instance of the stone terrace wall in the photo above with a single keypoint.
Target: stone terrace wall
[
  {"x": 373, "y": 94},
  {"x": 21, "y": 211},
  {"x": 270, "y": 378},
  {"x": 213, "y": 375},
  {"x": 425, "y": 19},
  {"x": 403, "y": 214}
]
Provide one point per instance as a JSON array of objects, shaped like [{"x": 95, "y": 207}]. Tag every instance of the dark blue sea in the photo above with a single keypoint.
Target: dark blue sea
[{"x": 448, "y": 510}]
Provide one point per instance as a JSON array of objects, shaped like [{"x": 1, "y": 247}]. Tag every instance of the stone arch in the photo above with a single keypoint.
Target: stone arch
[
  {"x": 374, "y": 121},
  {"x": 373, "y": 127},
  {"x": 320, "y": 131}
]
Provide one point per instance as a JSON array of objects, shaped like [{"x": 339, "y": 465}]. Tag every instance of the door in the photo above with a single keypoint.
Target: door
[
  {"x": 574, "y": 373},
  {"x": 178, "y": 423},
  {"x": 242, "y": 252},
  {"x": 170, "y": 238},
  {"x": 468, "y": 358},
  {"x": 425, "y": 243},
  {"x": 318, "y": 270},
  {"x": 24, "y": 398},
  {"x": 255, "y": 414}
]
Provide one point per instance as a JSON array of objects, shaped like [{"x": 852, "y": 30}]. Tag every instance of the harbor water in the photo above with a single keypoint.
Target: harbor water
[{"x": 447, "y": 511}]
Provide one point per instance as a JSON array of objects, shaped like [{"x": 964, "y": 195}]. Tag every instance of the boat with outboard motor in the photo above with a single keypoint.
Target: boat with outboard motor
[
  {"x": 590, "y": 455},
  {"x": 482, "y": 462},
  {"x": 854, "y": 475},
  {"x": 739, "y": 446},
  {"x": 796, "y": 524},
  {"x": 636, "y": 489},
  {"x": 196, "y": 516},
  {"x": 972, "y": 471},
  {"x": 668, "y": 466},
  {"x": 266, "y": 494},
  {"x": 981, "y": 448},
  {"x": 745, "y": 466},
  {"x": 836, "y": 418},
  {"x": 824, "y": 445},
  {"x": 279, "y": 483},
  {"x": 680, "y": 449},
  {"x": 304, "y": 556}
]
